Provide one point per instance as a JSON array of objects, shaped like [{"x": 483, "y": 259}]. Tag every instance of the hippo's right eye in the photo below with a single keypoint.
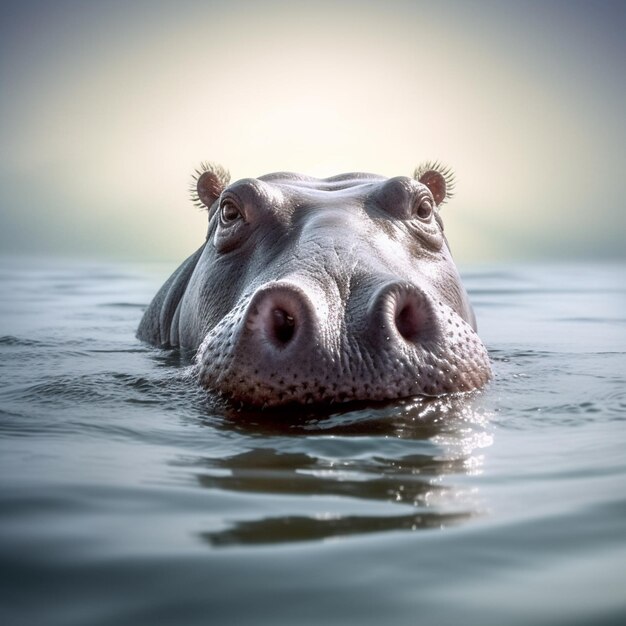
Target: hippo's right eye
[
  {"x": 229, "y": 212},
  {"x": 424, "y": 209}
]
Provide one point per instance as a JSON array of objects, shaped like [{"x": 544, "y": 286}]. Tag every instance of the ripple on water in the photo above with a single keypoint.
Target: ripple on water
[{"x": 11, "y": 341}]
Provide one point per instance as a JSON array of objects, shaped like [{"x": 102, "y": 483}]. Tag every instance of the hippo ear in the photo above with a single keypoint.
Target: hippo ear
[
  {"x": 208, "y": 182},
  {"x": 438, "y": 178}
]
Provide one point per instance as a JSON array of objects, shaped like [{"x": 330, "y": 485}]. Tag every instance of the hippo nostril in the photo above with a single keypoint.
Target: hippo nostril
[
  {"x": 283, "y": 326},
  {"x": 409, "y": 321},
  {"x": 404, "y": 311},
  {"x": 279, "y": 322}
]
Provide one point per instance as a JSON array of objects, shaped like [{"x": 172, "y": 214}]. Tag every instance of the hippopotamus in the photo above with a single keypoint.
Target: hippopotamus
[{"x": 329, "y": 290}]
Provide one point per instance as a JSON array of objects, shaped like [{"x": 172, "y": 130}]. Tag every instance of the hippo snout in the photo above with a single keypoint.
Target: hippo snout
[{"x": 284, "y": 346}]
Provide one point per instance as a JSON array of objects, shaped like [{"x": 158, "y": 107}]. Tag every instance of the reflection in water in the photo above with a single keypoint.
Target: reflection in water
[
  {"x": 360, "y": 471},
  {"x": 299, "y": 528}
]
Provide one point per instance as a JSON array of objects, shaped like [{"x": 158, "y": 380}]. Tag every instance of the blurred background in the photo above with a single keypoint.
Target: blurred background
[{"x": 107, "y": 107}]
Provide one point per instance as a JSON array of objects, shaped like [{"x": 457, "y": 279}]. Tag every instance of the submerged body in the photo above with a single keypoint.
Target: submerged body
[{"x": 331, "y": 290}]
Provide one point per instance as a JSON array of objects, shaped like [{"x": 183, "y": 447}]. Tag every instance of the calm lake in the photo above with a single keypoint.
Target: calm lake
[{"x": 127, "y": 496}]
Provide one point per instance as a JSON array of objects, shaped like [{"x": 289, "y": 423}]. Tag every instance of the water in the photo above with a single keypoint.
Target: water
[{"x": 127, "y": 497}]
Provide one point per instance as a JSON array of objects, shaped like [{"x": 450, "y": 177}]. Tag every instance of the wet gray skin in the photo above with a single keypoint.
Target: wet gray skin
[{"x": 321, "y": 291}]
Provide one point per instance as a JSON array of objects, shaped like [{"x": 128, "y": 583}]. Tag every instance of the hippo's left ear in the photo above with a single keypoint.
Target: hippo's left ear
[
  {"x": 209, "y": 180},
  {"x": 438, "y": 178}
]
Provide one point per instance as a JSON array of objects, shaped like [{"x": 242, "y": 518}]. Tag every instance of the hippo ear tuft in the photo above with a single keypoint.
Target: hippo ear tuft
[
  {"x": 208, "y": 182},
  {"x": 438, "y": 178}
]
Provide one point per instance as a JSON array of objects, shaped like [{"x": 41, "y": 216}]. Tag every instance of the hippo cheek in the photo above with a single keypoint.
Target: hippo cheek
[{"x": 276, "y": 350}]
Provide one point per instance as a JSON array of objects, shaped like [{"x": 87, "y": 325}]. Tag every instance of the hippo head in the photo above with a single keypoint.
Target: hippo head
[{"x": 320, "y": 291}]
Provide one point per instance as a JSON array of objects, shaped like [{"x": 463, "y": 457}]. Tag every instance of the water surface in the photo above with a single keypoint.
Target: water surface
[{"x": 128, "y": 496}]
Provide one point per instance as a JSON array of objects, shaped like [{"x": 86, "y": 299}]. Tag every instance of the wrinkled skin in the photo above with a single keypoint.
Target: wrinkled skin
[{"x": 322, "y": 291}]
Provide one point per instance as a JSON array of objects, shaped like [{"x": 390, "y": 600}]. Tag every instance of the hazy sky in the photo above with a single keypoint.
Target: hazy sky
[{"x": 107, "y": 106}]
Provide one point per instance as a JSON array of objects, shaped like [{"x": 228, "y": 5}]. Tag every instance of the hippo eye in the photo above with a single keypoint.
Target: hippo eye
[
  {"x": 424, "y": 209},
  {"x": 229, "y": 212}
]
